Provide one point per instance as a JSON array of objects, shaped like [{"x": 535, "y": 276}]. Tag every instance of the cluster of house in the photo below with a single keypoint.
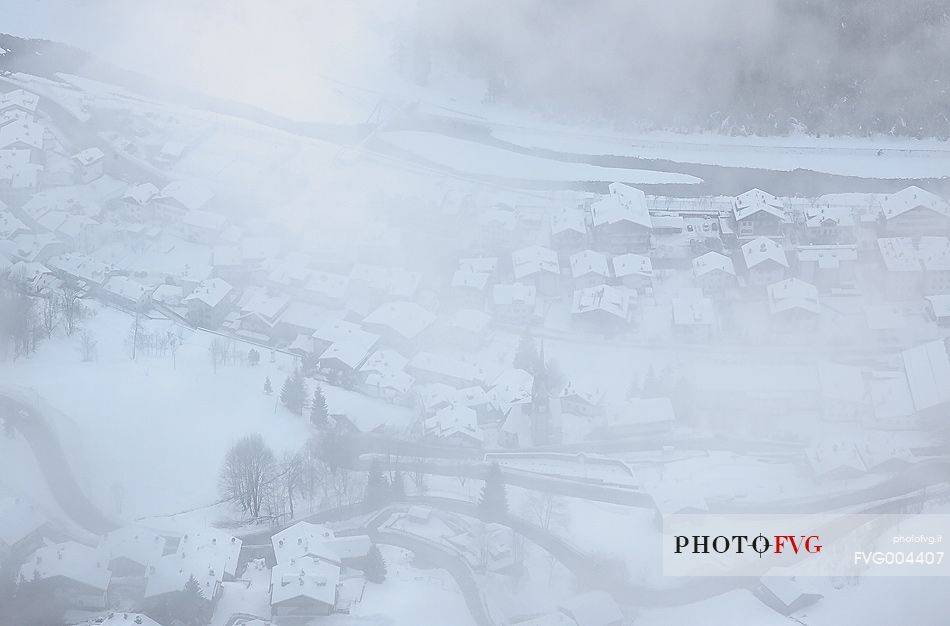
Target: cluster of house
[{"x": 136, "y": 569}]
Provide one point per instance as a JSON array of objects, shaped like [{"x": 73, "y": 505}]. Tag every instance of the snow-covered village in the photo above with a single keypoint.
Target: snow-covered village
[{"x": 422, "y": 356}]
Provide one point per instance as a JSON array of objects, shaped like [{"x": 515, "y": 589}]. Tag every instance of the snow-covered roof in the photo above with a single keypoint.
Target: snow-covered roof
[
  {"x": 602, "y": 298},
  {"x": 171, "y": 573},
  {"x": 303, "y": 539},
  {"x": 69, "y": 560},
  {"x": 589, "y": 262},
  {"x": 691, "y": 308},
  {"x": 407, "y": 319},
  {"x": 81, "y": 266},
  {"x": 22, "y": 132},
  {"x": 452, "y": 420},
  {"x": 588, "y": 395},
  {"x": 568, "y": 220},
  {"x": 19, "y": 98},
  {"x": 17, "y": 171},
  {"x": 447, "y": 366},
  {"x": 125, "y": 287},
  {"x": 928, "y": 373},
  {"x": 895, "y": 204},
  {"x": 89, "y": 156},
  {"x": 762, "y": 249},
  {"x": 257, "y": 300},
  {"x": 167, "y": 294},
  {"x": 307, "y": 578},
  {"x": 633, "y": 201},
  {"x": 534, "y": 260},
  {"x": 711, "y": 262},
  {"x": 141, "y": 193},
  {"x": 351, "y": 349},
  {"x": 830, "y": 215},
  {"x": 908, "y": 254},
  {"x": 18, "y": 519},
  {"x": 211, "y": 292},
  {"x": 503, "y": 295},
  {"x": 632, "y": 264},
  {"x": 189, "y": 194},
  {"x": 207, "y": 220},
  {"x": 384, "y": 361},
  {"x": 793, "y": 293},
  {"x": 754, "y": 201},
  {"x": 134, "y": 543},
  {"x": 513, "y": 386},
  {"x": 209, "y": 541},
  {"x": 327, "y": 284},
  {"x": 890, "y": 395},
  {"x": 469, "y": 279},
  {"x": 611, "y": 210}
]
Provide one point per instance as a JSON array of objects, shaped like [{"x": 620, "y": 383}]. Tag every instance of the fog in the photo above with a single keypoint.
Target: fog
[{"x": 442, "y": 313}]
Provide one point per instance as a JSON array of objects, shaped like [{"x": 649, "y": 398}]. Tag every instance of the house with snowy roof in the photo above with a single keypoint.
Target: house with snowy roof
[
  {"x": 589, "y": 268},
  {"x": 307, "y": 540},
  {"x": 454, "y": 425},
  {"x": 466, "y": 329},
  {"x": 342, "y": 347},
  {"x": 914, "y": 266},
  {"x": 537, "y": 266},
  {"x": 135, "y": 204},
  {"x": 602, "y": 307},
  {"x": 468, "y": 288},
  {"x": 830, "y": 225},
  {"x": 73, "y": 572},
  {"x": 19, "y": 175},
  {"x": 621, "y": 221},
  {"x": 633, "y": 271},
  {"x": 757, "y": 213},
  {"x": 765, "y": 261},
  {"x": 179, "y": 197},
  {"x": 209, "y": 303},
  {"x": 715, "y": 274},
  {"x": 383, "y": 375},
  {"x": 828, "y": 266},
  {"x": 927, "y": 367},
  {"x": 303, "y": 589},
  {"x": 568, "y": 231},
  {"x": 581, "y": 400},
  {"x": 793, "y": 303},
  {"x": 258, "y": 312},
  {"x": 19, "y": 101},
  {"x": 128, "y": 551},
  {"x": 126, "y": 292},
  {"x": 694, "y": 317},
  {"x": 914, "y": 212},
  {"x": 90, "y": 164}
]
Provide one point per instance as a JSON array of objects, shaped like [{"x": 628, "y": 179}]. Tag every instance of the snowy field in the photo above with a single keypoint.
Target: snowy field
[{"x": 175, "y": 420}]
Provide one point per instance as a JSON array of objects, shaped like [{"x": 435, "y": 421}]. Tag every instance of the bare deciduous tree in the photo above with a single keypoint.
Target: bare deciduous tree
[
  {"x": 247, "y": 474},
  {"x": 87, "y": 345}
]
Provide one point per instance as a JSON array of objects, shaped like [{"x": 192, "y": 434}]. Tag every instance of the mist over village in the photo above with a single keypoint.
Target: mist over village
[{"x": 452, "y": 313}]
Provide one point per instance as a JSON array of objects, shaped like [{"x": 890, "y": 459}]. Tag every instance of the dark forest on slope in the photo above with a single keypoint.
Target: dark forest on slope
[{"x": 840, "y": 67}]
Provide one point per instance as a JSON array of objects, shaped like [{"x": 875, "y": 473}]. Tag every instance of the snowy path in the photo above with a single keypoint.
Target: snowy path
[{"x": 45, "y": 445}]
